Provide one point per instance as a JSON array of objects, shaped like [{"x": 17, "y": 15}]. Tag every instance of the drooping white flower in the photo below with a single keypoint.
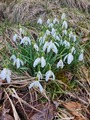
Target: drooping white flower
[
  {"x": 50, "y": 25},
  {"x": 65, "y": 24},
  {"x": 45, "y": 45},
  {"x": 39, "y": 21},
  {"x": 15, "y": 37},
  {"x": 39, "y": 60},
  {"x": 69, "y": 58},
  {"x": 52, "y": 47},
  {"x": 18, "y": 63},
  {"x": 63, "y": 16},
  {"x": 66, "y": 43},
  {"x": 36, "y": 47},
  {"x": 36, "y": 84},
  {"x": 39, "y": 75},
  {"x": 57, "y": 38},
  {"x": 73, "y": 50},
  {"x": 13, "y": 57},
  {"x": 53, "y": 31},
  {"x": 72, "y": 36},
  {"x": 64, "y": 32},
  {"x": 25, "y": 41},
  {"x": 55, "y": 21},
  {"x": 5, "y": 74},
  {"x": 47, "y": 32},
  {"x": 48, "y": 21},
  {"x": 36, "y": 62},
  {"x": 81, "y": 57},
  {"x": 49, "y": 74},
  {"x": 43, "y": 62},
  {"x": 60, "y": 64}
]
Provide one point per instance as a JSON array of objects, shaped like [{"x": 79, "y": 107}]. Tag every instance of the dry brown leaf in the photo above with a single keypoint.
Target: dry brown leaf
[{"x": 74, "y": 108}]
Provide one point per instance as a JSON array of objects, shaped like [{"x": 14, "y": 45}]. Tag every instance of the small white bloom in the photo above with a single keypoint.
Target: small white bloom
[
  {"x": 39, "y": 60},
  {"x": 6, "y": 73},
  {"x": 52, "y": 47},
  {"x": 39, "y": 75},
  {"x": 36, "y": 84},
  {"x": 26, "y": 41},
  {"x": 53, "y": 31},
  {"x": 65, "y": 24},
  {"x": 48, "y": 21},
  {"x": 64, "y": 32},
  {"x": 13, "y": 57},
  {"x": 36, "y": 47},
  {"x": 60, "y": 64},
  {"x": 45, "y": 45},
  {"x": 63, "y": 16},
  {"x": 57, "y": 38},
  {"x": 50, "y": 25},
  {"x": 43, "y": 62},
  {"x": 39, "y": 21},
  {"x": 73, "y": 50},
  {"x": 74, "y": 38},
  {"x": 15, "y": 37},
  {"x": 36, "y": 62},
  {"x": 66, "y": 43},
  {"x": 49, "y": 74},
  {"x": 81, "y": 57},
  {"x": 18, "y": 63},
  {"x": 47, "y": 32},
  {"x": 69, "y": 58},
  {"x": 55, "y": 21}
]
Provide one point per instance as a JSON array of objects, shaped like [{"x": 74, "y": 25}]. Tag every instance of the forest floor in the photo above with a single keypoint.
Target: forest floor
[{"x": 68, "y": 101}]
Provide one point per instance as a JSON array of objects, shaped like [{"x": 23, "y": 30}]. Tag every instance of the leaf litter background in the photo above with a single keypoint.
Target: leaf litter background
[{"x": 16, "y": 101}]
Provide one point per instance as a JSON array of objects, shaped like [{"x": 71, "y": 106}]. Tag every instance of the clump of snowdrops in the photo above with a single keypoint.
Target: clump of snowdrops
[{"x": 57, "y": 46}]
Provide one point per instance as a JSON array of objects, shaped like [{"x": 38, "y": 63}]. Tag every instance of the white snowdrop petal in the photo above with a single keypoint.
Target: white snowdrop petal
[
  {"x": 40, "y": 87},
  {"x": 18, "y": 63},
  {"x": 31, "y": 85},
  {"x": 13, "y": 57},
  {"x": 70, "y": 58},
  {"x": 81, "y": 57},
  {"x": 63, "y": 16},
  {"x": 36, "y": 62},
  {"x": 43, "y": 62},
  {"x": 39, "y": 21},
  {"x": 15, "y": 37}
]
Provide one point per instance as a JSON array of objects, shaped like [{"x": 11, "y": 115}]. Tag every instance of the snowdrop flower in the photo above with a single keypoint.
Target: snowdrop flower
[
  {"x": 45, "y": 45},
  {"x": 48, "y": 21},
  {"x": 36, "y": 47},
  {"x": 74, "y": 38},
  {"x": 13, "y": 57},
  {"x": 71, "y": 35},
  {"x": 39, "y": 60},
  {"x": 47, "y": 32},
  {"x": 60, "y": 64},
  {"x": 53, "y": 31},
  {"x": 18, "y": 62},
  {"x": 15, "y": 37},
  {"x": 52, "y": 47},
  {"x": 57, "y": 38},
  {"x": 64, "y": 24},
  {"x": 43, "y": 62},
  {"x": 73, "y": 50},
  {"x": 39, "y": 21},
  {"x": 6, "y": 73},
  {"x": 64, "y": 32},
  {"x": 66, "y": 43},
  {"x": 26, "y": 41},
  {"x": 36, "y": 62},
  {"x": 39, "y": 75},
  {"x": 69, "y": 58},
  {"x": 55, "y": 21},
  {"x": 49, "y": 74},
  {"x": 81, "y": 57},
  {"x": 63, "y": 16},
  {"x": 36, "y": 84},
  {"x": 50, "y": 25}
]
